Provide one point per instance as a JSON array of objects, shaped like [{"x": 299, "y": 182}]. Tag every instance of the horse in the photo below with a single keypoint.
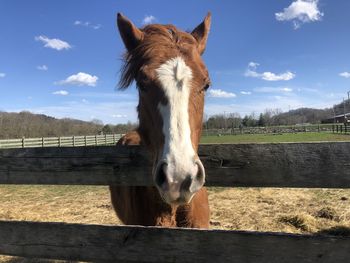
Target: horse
[{"x": 171, "y": 79}]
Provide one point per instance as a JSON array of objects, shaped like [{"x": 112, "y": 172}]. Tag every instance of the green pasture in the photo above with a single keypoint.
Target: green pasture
[{"x": 276, "y": 138}]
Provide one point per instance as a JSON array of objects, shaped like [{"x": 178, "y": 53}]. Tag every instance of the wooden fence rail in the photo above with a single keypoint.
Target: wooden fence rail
[
  {"x": 99, "y": 243},
  {"x": 91, "y": 140},
  {"x": 325, "y": 164}
]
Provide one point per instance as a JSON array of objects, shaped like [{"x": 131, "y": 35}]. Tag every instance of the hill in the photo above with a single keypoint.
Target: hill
[
  {"x": 274, "y": 117},
  {"x": 26, "y": 124},
  {"x": 303, "y": 115}
]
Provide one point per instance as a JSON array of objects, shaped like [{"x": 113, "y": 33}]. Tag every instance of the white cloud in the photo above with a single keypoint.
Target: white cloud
[
  {"x": 300, "y": 12},
  {"x": 269, "y": 76},
  {"x": 78, "y": 23},
  {"x": 345, "y": 74},
  {"x": 246, "y": 92},
  {"x": 42, "y": 67},
  {"x": 60, "y": 92},
  {"x": 53, "y": 43},
  {"x": 119, "y": 115},
  {"x": 287, "y": 89},
  {"x": 2, "y": 75},
  {"x": 87, "y": 24},
  {"x": 80, "y": 79},
  {"x": 253, "y": 65},
  {"x": 218, "y": 93},
  {"x": 148, "y": 20},
  {"x": 273, "y": 89},
  {"x": 96, "y": 26}
]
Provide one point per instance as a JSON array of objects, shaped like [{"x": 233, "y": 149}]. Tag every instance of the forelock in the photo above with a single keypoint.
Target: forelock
[{"x": 160, "y": 43}]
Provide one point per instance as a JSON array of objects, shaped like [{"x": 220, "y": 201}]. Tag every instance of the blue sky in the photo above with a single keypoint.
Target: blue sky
[{"x": 62, "y": 58}]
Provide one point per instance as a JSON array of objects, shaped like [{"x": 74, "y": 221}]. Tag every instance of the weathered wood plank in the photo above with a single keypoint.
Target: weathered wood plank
[
  {"x": 324, "y": 165},
  {"x": 99, "y": 243}
]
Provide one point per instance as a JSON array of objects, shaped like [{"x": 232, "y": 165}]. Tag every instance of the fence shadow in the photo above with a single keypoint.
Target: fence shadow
[{"x": 335, "y": 231}]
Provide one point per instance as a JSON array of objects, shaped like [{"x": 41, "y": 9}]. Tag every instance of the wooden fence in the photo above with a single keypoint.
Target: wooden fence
[
  {"x": 91, "y": 140},
  {"x": 249, "y": 165},
  {"x": 270, "y": 129},
  {"x": 343, "y": 128}
]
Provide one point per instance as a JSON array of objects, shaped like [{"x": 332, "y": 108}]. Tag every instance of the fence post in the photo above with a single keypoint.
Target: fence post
[
  {"x": 42, "y": 142},
  {"x": 105, "y": 139},
  {"x": 85, "y": 140},
  {"x": 22, "y": 142},
  {"x": 59, "y": 141},
  {"x": 96, "y": 140},
  {"x": 113, "y": 138},
  {"x": 73, "y": 141}
]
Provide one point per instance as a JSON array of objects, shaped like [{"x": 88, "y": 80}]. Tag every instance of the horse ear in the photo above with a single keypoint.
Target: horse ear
[
  {"x": 200, "y": 33},
  {"x": 130, "y": 34}
]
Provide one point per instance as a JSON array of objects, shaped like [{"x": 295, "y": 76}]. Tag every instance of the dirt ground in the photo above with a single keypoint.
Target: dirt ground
[{"x": 260, "y": 209}]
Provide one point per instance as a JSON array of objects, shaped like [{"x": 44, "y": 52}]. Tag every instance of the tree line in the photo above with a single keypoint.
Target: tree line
[
  {"x": 276, "y": 117},
  {"x": 26, "y": 124},
  {"x": 270, "y": 117}
]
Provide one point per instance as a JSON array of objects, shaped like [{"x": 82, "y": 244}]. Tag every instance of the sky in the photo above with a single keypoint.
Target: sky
[{"x": 63, "y": 58}]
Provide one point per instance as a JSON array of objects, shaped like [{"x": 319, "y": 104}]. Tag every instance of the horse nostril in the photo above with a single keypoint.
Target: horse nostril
[
  {"x": 161, "y": 178},
  {"x": 199, "y": 179},
  {"x": 201, "y": 172}
]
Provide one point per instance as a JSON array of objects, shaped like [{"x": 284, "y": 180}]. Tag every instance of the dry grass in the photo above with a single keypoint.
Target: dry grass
[
  {"x": 73, "y": 204},
  {"x": 258, "y": 209},
  {"x": 280, "y": 210}
]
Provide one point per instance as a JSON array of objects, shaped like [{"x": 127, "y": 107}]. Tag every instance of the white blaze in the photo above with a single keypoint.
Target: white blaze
[{"x": 175, "y": 78}]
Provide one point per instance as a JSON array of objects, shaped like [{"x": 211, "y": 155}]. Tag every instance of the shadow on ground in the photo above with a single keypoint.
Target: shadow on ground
[{"x": 336, "y": 231}]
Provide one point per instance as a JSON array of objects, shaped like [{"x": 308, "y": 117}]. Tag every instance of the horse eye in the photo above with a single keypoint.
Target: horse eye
[{"x": 206, "y": 87}]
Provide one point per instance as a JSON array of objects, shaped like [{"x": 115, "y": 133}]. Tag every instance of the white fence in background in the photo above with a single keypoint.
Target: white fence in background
[{"x": 67, "y": 141}]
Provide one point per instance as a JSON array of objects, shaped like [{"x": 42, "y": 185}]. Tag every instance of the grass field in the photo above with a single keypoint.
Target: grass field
[
  {"x": 276, "y": 138},
  {"x": 259, "y": 209}
]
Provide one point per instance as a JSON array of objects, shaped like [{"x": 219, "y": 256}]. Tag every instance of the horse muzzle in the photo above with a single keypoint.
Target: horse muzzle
[{"x": 178, "y": 183}]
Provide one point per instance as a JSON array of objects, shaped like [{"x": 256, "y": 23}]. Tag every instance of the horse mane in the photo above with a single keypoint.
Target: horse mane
[{"x": 159, "y": 41}]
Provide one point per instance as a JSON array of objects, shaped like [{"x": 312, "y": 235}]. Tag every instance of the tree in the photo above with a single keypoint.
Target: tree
[
  {"x": 245, "y": 121},
  {"x": 107, "y": 129},
  {"x": 261, "y": 121}
]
